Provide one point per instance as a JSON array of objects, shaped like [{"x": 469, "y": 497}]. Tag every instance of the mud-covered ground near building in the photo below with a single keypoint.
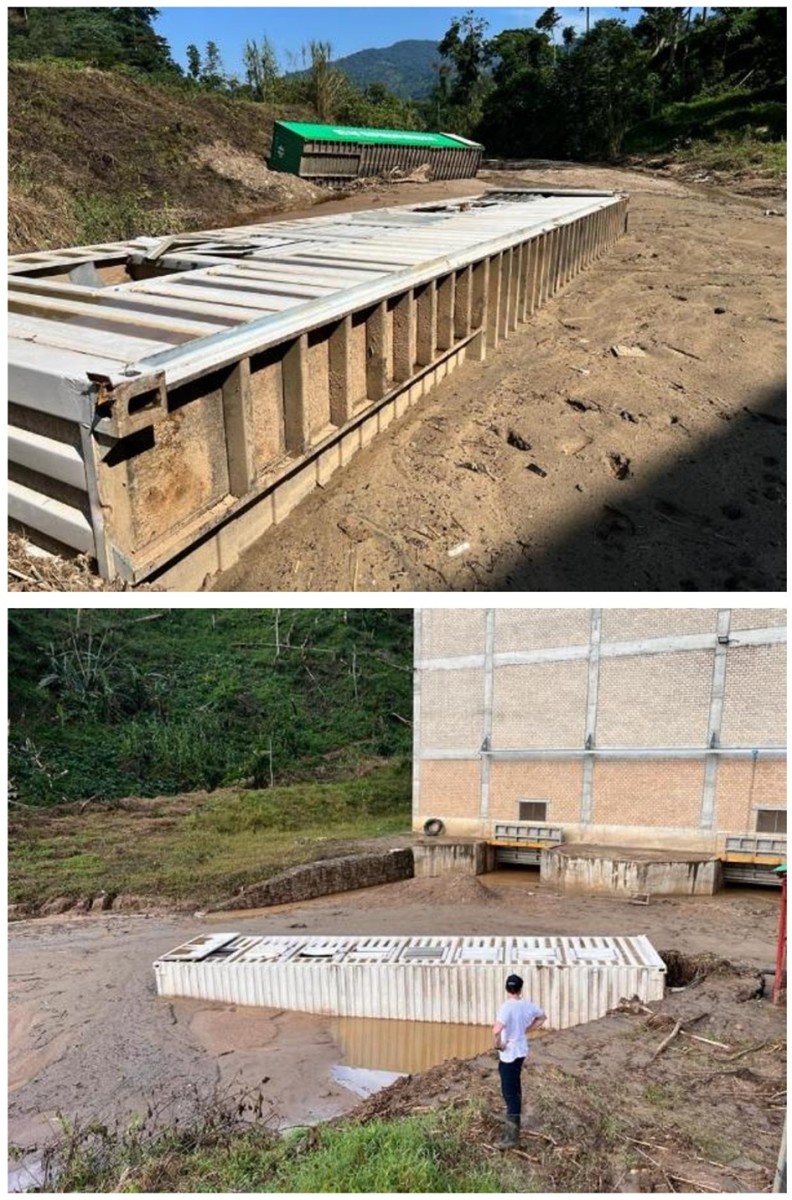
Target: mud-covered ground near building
[
  {"x": 560, "y": 466},
  {"x": 89, "y": 1037}
]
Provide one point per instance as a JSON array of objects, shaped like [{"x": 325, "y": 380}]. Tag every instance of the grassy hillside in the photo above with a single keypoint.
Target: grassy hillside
[
  {"x": 198, "y": 848},
  {"x": 96, "y": 155},
  {"x": 738, "y": 129},
  {"x": 106, "y": 703}
]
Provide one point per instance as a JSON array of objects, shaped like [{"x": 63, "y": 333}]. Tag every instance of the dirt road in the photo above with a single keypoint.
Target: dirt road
[
  {"x": 90, "y": 1038},
  {"x": 661, "y": 472}
]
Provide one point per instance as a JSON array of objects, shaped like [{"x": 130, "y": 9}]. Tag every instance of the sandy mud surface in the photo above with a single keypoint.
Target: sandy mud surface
[
  {"x": 89, "y": 1037},
  {"x": 664, "y": 471}
]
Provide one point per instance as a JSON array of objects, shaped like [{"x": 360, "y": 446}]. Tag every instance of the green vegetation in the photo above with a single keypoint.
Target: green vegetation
[
  {"x": 199, "y": 848},
  {"x": 674, "y": 74},
  {"x": 432, "y": 1152},
  {"x": 106, "y": 703},
  {"x": 709, "y": 117}
]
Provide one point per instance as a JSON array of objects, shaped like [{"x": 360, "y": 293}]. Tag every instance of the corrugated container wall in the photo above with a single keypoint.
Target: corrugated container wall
[
  {"x": 337, "y": 152},
  {"x": 450, "y": 980}
]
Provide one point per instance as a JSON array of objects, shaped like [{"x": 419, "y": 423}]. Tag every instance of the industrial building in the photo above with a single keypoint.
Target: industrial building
[{"x": 622, "y": 749}]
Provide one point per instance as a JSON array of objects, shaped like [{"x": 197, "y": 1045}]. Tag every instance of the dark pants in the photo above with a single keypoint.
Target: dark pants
[{"x": 511, "y": 1085}]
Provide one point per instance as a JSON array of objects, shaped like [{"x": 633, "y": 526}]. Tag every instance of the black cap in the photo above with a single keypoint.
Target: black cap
[{"x": 514, "y": 984}]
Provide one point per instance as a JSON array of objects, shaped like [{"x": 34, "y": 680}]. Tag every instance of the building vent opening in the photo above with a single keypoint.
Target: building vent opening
[
  {"x": 771, "y": 820},
  {"x": 533, "y": 810}
]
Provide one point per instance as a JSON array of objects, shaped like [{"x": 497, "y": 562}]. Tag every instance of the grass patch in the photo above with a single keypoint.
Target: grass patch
[
  {"x": 200, "y": 847},
  {"x": 738, "y": 154},
  {"x": 757, "y": 115},
  {"x": 100, "y": 218},
  {"x": 432, "y": 1152}
]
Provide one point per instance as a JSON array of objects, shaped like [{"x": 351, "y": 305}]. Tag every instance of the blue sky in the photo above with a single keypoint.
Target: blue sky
[{"x": 347, "y": 29}]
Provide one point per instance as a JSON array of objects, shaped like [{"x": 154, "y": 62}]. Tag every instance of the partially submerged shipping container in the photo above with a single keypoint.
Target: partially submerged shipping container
[
  {"x": 338, "y": 152},
  {"x": 456, "y": 980}
]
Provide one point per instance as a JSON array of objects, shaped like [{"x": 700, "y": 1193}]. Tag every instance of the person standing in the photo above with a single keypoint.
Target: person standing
[{"x": 515, "y": 1020}]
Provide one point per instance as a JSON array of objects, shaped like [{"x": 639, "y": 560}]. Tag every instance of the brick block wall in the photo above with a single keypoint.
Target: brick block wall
[
  {"x": 538, "y": 629},
  {"x": 741, "y": 788},
  {"x": 452, "y": 631},
  {"x": 630, "y": 624},
  {"x": 655, "y": 699},
  {"x": 452, "y": 710},
  {"x": 556, "y": 781},
  {"x": 543, "y": 704},
  {"x": 449, "y": 789},
  {"x": 656, "y": 793},
  {"x": 758, "y": 618},
  {"x": 754, "y": 710}
]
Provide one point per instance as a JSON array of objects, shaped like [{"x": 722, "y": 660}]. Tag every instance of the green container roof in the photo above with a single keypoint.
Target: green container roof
[{"x": 388, "y": 137}]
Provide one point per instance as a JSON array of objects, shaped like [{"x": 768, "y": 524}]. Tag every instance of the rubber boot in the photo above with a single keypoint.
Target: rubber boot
[{"x": 511, "y": 1138}]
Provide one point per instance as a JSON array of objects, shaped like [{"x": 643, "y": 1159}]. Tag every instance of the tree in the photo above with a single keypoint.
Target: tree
[
  {"x": 325, "y": 83},
  {"x": 519, "y": 116},
  {"x": 547, "y": 22},
  {"x": 193, "y": 62},
  {"x": 99, "y": 37},
  {"x": 604, "y": 87},
  {"x": 462, "y": 79},
  {"x": 261, "y": 69},
  {"x": 212, "y": 74}
]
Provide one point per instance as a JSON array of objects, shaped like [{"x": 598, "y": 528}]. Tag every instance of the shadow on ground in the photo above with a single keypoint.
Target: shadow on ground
[{"x": 711, "y": 520}]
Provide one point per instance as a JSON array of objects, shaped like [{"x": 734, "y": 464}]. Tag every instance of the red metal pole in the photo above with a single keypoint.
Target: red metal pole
[{"x": 780, "y": 970}]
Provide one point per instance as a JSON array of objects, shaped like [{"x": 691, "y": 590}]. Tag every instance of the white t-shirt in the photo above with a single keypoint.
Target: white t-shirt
[{"x": 515, "y": 1016}]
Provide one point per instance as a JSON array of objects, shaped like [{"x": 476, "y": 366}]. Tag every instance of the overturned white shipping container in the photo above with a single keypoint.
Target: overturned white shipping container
[
  {"x": 457, "y": 980},
  {"x": 171, "y": 399}
]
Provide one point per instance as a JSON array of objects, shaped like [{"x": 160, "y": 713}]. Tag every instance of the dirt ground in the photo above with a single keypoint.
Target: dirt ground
[
  {"x": 661, "y": 472},
  {"x": 88, "y": 1036}
]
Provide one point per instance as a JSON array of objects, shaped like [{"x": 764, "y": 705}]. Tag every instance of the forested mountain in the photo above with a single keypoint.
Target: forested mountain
[
  {"x": 108, "y": 703},
  {"x": 407, "y": 69}
]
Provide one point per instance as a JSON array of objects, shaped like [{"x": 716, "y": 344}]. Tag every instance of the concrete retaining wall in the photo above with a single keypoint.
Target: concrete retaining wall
[
  {"x": 322, "y": 878},
  {"x": 612, "y": 872},
  {"x": 453, "y": 858}
]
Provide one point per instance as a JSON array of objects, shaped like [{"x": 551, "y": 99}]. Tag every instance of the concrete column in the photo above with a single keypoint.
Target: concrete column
[
  {"x": 417, "y": 656},
  {"x": 592, "y": 693},
  {"x": 717, "y": 694},
  {"x": 486, "y": 730}
]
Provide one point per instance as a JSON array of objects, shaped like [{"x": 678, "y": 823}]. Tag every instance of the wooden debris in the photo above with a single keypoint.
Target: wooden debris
[{"x": 666, "y": 1041}]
